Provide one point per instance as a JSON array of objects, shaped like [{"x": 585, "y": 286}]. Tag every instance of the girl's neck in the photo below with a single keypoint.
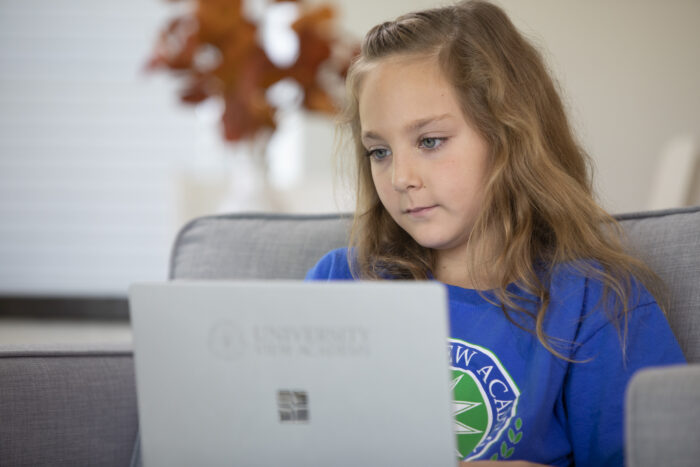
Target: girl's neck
[
  {"x": 447, "y": 277},
  {"x": 452, "y": 267}
]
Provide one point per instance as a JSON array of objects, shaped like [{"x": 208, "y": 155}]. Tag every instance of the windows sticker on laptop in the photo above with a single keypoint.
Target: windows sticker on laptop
[{"x": 293, "y": 406}]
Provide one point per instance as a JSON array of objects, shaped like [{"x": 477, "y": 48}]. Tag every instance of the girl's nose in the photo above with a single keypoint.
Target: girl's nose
[{"x": 404, "y": 175}]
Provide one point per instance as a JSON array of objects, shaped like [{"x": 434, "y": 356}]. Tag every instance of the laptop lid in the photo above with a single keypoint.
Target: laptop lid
[{"x": 293, "y": 373}]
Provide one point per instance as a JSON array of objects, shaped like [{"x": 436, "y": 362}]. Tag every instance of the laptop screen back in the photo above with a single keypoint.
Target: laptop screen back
[{"x": 293, "y": 373}]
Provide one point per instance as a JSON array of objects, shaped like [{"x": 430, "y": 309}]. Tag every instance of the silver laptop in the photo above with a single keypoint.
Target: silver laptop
[{"x": 293, "y": 373}]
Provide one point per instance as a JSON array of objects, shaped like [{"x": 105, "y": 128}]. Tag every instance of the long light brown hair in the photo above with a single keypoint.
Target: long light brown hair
[{"x": 538, "y": 202}]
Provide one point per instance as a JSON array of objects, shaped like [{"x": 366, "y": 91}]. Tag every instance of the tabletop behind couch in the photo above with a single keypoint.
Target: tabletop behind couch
[{"x": 67, "y": 406}]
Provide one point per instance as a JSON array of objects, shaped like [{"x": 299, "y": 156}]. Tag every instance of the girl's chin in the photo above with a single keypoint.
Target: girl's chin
[
  {"x": 439, "y": 241},
  {"x": 436, "y": 243}
]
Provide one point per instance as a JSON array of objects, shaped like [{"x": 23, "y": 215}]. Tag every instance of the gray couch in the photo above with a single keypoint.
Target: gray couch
[{"x": 64, "y": 406}]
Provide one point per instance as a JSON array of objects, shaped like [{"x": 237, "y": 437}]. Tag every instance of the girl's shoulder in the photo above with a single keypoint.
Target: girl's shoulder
[
  {"x": 586, "y": 319},
  {"x": 579, "y": 294},
  {"x": 585, "y": 277},
  {"x": 334, "y": 265}
]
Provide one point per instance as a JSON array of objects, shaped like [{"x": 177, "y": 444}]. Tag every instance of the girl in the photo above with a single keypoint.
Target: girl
[{"x": 468, "y": 173}]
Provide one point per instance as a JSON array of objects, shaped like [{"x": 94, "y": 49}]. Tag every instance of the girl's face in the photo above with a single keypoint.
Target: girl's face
[{"x": 428, "y": 163}]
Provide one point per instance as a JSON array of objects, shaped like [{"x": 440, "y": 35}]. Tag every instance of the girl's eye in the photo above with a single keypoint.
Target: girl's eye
[
  {"x": 378, "y": 154},
  {"x": 431, "y": 143}
]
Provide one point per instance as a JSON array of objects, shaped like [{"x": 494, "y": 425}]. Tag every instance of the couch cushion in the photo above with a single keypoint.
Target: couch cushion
[{"x": 67, "y": 406}]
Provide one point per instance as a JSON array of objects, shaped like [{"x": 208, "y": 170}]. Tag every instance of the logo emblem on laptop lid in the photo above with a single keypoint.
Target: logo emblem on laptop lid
[{"x": 293, "y": 406}]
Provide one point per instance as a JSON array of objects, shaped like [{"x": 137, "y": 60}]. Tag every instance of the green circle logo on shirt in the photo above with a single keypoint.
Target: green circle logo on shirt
[{"x": 485, "y": 399}]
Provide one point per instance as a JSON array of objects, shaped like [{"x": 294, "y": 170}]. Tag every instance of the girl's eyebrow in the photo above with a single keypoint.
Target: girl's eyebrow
[
  {"x": 419, "y": 124},
  {"x": 412, "y": 127}
]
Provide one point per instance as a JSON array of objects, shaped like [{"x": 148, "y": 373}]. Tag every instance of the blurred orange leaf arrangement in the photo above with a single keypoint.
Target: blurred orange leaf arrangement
[{"x": 216, "y": 50}]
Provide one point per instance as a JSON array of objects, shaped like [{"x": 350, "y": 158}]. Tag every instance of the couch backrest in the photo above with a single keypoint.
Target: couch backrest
[
  {"x": 255, "y": 246},
  {"x": 669, "y": 242},
  {"x": 264, "y": 246}
]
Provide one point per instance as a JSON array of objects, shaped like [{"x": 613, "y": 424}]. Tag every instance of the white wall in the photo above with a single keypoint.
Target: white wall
[
  {"x": 629, "y": 69},
  {"x": 88, "y": 147}
]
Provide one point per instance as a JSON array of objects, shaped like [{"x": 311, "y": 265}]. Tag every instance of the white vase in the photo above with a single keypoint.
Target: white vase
[
  {"x": 226, "y": 177},
  {"x": 247, "y": 186}
]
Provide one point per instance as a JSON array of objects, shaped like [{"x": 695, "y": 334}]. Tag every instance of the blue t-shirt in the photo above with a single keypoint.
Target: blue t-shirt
[{"x": 513, "y": 399}]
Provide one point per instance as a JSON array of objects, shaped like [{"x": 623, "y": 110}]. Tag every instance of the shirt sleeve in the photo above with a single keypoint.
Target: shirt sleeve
[
  {"x": 596, "y": 382},
  {"x": 332, "y": 266}
]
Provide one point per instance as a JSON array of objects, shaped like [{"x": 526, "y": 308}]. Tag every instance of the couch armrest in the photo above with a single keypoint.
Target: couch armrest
[
  {"x": 662, "y": 421},
  {"x": 67, "y": 406}
]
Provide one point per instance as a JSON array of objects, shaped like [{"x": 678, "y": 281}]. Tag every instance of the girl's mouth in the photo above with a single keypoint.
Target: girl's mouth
[{"x": 420, "y": 210}]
